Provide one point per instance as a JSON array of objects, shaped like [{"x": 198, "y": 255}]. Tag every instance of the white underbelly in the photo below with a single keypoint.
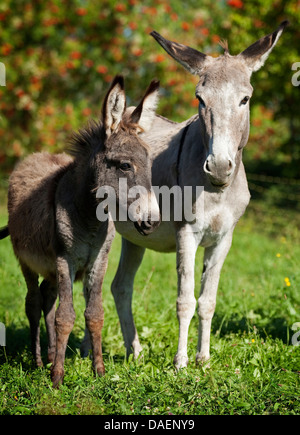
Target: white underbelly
[{"x": 210, "y": 228}]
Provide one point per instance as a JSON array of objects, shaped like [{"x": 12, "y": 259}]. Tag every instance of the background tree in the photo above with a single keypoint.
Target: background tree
[{"x": 60, "y": 56}]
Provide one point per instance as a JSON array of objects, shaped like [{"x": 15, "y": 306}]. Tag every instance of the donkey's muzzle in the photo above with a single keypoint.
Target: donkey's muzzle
[{"x": 219, "y": 170}]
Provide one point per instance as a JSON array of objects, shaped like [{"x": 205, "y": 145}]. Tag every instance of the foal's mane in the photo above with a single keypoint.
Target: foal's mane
[
  {"x": 88, "y": 139},
  {"x": 91, "y": 138}
]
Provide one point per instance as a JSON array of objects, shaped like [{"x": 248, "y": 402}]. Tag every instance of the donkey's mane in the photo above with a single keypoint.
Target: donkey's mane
[{"x": 224, "y": 44}]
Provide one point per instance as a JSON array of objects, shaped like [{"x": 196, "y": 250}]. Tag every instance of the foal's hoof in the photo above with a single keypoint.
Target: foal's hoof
[
  {"x": 39, "y": 362},
  {"x": 180, "y": 362},
  {"x": 85, "y": 347},
  {"x": 57, "y": 377},
  {"x": 99, "y": 370},
  {"x": 51, "y": 357}
]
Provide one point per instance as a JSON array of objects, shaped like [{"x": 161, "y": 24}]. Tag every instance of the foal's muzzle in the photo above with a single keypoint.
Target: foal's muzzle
[
  {"x": 146, "y": 227},
  {"x": 149, "y": 218},
  {"x": 219, "y": 170}
]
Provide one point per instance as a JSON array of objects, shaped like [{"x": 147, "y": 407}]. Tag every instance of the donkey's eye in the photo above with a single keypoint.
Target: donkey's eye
[
  {"x": 245, "y": 101},
  {"x": 200, "y": 100},
  {"x": 125, "y": 167}
]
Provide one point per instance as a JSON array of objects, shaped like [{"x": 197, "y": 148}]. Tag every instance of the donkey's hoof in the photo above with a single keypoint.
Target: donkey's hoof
[
  {"x": 180, "y": 362},
  {"x": 139, "y": 358},
  {"x": 202, "y": 360},
  {"x": 57, "y": 377}
]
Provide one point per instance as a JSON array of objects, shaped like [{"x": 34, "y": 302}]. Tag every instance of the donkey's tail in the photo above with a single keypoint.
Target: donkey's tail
[{"x": 4, "y": 232}]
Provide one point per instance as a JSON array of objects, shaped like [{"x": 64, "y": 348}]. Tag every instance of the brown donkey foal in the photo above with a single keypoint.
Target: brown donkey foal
[{"x": 53, "y": 225}]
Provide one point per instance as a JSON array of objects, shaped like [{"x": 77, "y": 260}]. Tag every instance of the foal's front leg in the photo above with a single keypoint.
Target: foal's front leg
[
  {"x": 214, "y": 258},
  {"x": 186, "y": 302},
  {"x": 64, "y": 318}
]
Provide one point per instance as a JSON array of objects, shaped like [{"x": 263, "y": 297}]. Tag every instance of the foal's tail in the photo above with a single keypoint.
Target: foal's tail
[{"x": 4, "y": 232}]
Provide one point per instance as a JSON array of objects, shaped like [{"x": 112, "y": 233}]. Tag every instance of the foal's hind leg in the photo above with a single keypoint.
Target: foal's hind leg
[
  {"x": 122, "y": 289},
  {"x": 64, "y": 317},
  {"x": 33, "y": 308},
  {"x": 85, "y": 345},
  {"x": 49, "y": 295}
]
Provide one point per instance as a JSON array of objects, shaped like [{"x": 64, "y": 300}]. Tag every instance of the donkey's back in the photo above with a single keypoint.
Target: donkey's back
[{"x": 31, "y": 199}]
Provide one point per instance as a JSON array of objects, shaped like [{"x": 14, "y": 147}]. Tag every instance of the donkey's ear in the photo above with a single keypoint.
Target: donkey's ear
[
  {"x": 256, "y": 55},
  {"x": 144, "y": 113},
  {"x": 192, "y": 60},
  {"x": 114, "y": 105}
]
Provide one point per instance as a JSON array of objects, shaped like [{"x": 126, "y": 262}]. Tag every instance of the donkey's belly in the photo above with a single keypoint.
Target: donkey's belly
[{"x": 163, "y": 239}]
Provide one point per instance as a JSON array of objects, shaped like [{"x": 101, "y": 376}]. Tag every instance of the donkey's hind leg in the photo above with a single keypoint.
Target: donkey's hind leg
[
  {"x": 33, "y": 308},
  {"x": 122, "y": 289},
  {"x": 49, "y": 295}
]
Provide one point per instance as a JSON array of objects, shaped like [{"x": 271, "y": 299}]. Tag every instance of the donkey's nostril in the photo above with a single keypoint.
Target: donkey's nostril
[
  {"x": 206, "y": 166},
  {"x": 230, "y": 167}
]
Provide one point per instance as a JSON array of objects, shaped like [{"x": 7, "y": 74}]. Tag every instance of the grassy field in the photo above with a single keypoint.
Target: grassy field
[{"x": 254, "y": 369}]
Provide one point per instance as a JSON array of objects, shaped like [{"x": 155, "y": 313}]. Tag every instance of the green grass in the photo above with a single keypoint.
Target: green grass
[{"x": 254, "y": 369}]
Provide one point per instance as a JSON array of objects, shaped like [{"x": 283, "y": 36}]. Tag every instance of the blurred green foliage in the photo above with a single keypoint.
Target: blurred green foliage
[{"x": 60, "y": 56}]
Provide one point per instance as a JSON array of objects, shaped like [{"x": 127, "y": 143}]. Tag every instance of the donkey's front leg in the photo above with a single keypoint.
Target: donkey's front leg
[
  {"x": 94, "y": 314},
  {"x": 186, "y": 302},
  {"x": 214, "y": 258},
  {"x": 64, "y": 318}
]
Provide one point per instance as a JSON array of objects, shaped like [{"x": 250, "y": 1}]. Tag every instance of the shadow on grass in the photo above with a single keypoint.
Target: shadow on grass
[
  {"x": 18, "y": 347},
  {"x": 277, "y": 327}
]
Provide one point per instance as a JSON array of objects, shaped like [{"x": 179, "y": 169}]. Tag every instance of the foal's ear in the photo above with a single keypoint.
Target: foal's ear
[
  {"x": 256, "y": 55},
  {"x": 192, "y": 60},
  {"x": 114, "y": 105},
  {"x": 144, "y": 113}
]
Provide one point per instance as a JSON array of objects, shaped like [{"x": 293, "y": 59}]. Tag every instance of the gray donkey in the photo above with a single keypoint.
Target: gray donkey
[
  {"x": 205, "y": 150},
  {"x": 52, "y": 202}
]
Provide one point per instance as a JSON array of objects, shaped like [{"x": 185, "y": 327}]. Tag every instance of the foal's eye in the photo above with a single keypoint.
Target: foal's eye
[
  {"x": 200, "y": 100},
  {"x": 125, "y": 166},
  {"x": 245, "y": 101}
]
